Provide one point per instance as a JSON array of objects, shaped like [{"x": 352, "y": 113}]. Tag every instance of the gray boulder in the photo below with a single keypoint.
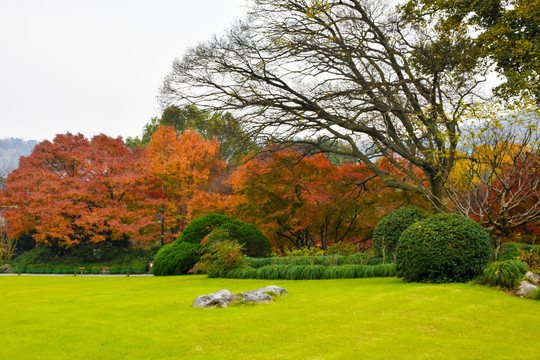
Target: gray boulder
[
  {"x": 261, "y": 295},
  {"x": 220, "y": 298},
  {"x": 254, "y": 297},
  {"x": 271, "y": 288},
  {"x": 532, "y": 277},
  {"x": 526, "y": 288}
]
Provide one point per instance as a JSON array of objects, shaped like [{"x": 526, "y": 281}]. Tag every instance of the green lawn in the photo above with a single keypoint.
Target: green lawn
[{"x": 152, "y": 318}]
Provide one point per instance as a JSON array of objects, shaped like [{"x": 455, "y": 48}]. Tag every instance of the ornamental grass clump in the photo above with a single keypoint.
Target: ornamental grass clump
[
  {"x": 506, "y": 274},
  {"x": 443, "y": 248}
]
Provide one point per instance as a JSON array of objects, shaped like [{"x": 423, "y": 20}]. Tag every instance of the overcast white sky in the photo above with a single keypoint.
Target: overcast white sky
[{"x": 95, "y": 66}]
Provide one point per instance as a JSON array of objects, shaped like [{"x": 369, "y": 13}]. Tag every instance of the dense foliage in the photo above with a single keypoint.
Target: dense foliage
[
  {"x": 512, "y": 250},
  {"x": 390, "y": 227},
  {"x": 220, "y": 257},
  {"x": 255, "y": 243},
  {"x": 176, "y": 258},
  {"x": 76, "y": 191},
  {"x": 443, "y": 248}
]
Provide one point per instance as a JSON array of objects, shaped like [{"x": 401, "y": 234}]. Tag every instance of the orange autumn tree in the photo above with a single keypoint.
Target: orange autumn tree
[
  {"x": 185, "y": 166},
  {"x": 77, "y": 191},
  {"x": 303, "y": 201}
]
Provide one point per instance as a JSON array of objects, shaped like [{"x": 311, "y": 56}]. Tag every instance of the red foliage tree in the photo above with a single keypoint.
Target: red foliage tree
[{"x": 74, "y": 190}]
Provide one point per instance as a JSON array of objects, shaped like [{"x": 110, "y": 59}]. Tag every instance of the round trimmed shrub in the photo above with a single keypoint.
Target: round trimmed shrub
[
  {"x": 255, "y": 243},
  {"x": 390, "y": 227},
  {"x": 506, "y": 273},
  {"x": 443, "y": 248},
  {"x": 176, "y": 258},
  {"x": 200, "y": 227}
]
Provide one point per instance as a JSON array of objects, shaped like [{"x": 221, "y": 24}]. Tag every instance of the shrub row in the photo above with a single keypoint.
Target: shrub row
[
  {"x": 136, "y": 267},
  {"x": 311, "y": 272},
  {"x": 325, "y": 260}
]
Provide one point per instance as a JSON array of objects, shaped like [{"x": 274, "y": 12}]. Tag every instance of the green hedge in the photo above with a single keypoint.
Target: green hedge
[
  {"x": 136, "y": 267},
  {"x": 325, "y": 260},
  {"x": 443, "y": 248},
  {"x": 311, "y": 272}
]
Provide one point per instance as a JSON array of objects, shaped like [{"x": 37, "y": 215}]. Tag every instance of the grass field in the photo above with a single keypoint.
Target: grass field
[{"x": 152, "y": 318}]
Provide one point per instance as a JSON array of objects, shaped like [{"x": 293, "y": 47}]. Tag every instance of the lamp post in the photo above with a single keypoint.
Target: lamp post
[{"x": 160, "y": 219}]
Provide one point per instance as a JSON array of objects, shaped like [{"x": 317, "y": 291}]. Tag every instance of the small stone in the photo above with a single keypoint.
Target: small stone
[
  {"x": 526, "y": 288},
  {"x": 220, "y": 298},
  {"x": 532, "y": 277}
]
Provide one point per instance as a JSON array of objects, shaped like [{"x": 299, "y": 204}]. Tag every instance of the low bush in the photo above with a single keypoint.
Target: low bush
[
  {"x": 38, "y": 255},
  {"x": 255, "y": 243},
  {"x": 340, "y": 248},
  {"x": 221, "y": 257},
  {"x": 176, "y": 258},
  {"x": 307, "y": 251},
  {"x": 531, "y": 257},
  {"x": 443, "y": 248},
  {"x": 506, "y": 274},
  {"x": 512, "y": 250},
  {"x": 389, "y": 229},
  {"x": 325, "y": 260}
]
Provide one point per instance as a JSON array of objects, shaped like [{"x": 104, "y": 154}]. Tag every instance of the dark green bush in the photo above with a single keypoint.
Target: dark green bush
[
  {"x": 390, "y": 227},
  {"x": 200, "y": 227},
  {"x": 254, "y": 242},
  {"x": 176, "y": 258},
  {"x": 443, "y": 248},
  {"x": 507, "y": 273},
  {"x": 38, "y": 255}
]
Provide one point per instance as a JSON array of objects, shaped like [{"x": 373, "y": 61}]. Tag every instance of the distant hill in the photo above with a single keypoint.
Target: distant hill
[{"x": 11, "y": 149}]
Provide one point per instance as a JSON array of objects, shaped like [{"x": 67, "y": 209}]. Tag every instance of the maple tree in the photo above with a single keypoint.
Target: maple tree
[
  {"x": 185, "y": 166},
  {"x": 74, "y": 190},
  {"x": 304, "y": 201}
]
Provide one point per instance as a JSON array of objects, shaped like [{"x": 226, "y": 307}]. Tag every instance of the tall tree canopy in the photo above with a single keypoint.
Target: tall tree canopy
[
  {"x": 345, "y": 70},
  {"x": 74, "y": 190},
  {"x": 234, "y": 142},
  {"x": 505, "y": 31}
]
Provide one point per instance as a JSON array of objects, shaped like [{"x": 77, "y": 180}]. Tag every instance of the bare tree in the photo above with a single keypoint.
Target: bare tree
[
  {"x": 497, "y": 183},
  {"x": 339, "y": 70},
  {"x": 6, "y": 166}
]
